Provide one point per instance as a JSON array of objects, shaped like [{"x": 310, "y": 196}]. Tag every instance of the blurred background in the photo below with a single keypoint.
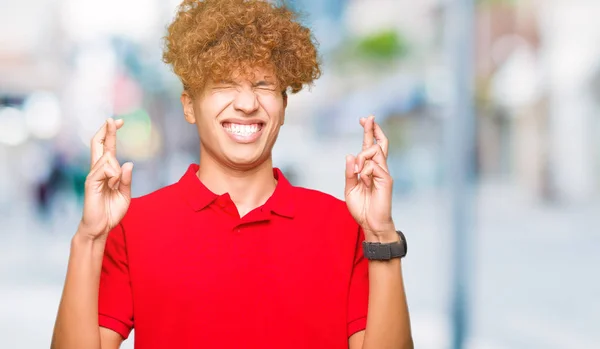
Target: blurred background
[{"x": 492, "y": 109}]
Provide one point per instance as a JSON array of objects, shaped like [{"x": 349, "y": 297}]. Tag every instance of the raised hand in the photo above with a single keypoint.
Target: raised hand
[
  {"x": 368, "y": 190},
  {"x": 107, "y": 186}
]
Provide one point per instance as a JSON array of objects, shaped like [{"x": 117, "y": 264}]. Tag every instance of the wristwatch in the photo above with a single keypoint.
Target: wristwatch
[{"x": 385, "y": 251}]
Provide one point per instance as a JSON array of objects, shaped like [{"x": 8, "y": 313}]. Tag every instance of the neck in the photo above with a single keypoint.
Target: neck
[{"x": 248, "y": 188}]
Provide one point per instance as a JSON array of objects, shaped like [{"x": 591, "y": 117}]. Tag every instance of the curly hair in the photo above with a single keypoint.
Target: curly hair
[{"x": 214, "y": 39}]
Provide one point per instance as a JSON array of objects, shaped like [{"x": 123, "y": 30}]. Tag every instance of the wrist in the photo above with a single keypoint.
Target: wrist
[
  {"x": 82, "y": 241},
  {"x": 384, "y": 238},
  {"x": 384, "y": 235},
  {"x": 85, "y": 235},
  {"x": 84, "y": 247}
]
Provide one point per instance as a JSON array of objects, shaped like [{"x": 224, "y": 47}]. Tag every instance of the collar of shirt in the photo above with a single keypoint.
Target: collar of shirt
[{"x": 199, "y": 196}]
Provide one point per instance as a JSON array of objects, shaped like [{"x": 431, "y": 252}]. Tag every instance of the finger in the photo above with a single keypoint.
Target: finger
[
  {"x": 374, "y": 153},
  {"x": 368, "y": 137},
  {"x": 381, "y": 139},
  {"x": 99, "y": 139},
  {"x": 112, "y": 166},
  {"x": 373, "y": 173},
  {"x": 110, "y": 141},
  {"x": 106, "y": 158},
  {"x": 125, "y": 185},
  {"x": 365, "y": 174},
  {"x": 351, "y": 174},
  {"x": 96, "y": 145},
  {"x": 99, "y": 176},
  {"x": 113, "y": 181},
  {"x": 106, "y": 169}
]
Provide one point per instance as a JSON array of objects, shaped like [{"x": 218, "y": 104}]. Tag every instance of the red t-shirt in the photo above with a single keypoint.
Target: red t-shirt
[{"x": 186, "y": 271}]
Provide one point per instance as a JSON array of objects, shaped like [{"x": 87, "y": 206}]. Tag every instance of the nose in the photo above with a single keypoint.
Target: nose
[{"x": 246, "y": 101}]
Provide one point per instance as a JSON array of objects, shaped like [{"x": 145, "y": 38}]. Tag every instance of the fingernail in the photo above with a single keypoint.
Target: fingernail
[{"x": 355, "y": 168}]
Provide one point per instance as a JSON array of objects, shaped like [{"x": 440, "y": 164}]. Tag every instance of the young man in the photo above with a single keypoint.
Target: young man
[{"x": 232, "y": 255}]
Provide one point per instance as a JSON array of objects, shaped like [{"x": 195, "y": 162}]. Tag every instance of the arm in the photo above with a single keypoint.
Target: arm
[
  {"x": 77, "y": 321},
  {"x": 369, "y": 199},
  {"x": 388, "y": 322},
  {"x": 107, "y": 198}
]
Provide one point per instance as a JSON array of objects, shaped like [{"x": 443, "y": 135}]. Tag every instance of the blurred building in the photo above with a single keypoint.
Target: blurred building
[{"x": 537, "y": 106}]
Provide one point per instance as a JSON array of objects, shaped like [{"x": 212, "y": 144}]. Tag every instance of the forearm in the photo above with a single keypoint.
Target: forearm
[
  {"x": 388, "y": 322},
  {"x": 77, "y": 321}
]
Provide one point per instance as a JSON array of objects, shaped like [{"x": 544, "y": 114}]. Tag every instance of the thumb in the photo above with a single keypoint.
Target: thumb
[
  {"x": 351, "y": 175},
  {"x": 125, "y": 185}
]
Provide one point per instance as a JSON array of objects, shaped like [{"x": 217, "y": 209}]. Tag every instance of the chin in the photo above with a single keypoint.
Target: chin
[{"x": 239, "y": 161}]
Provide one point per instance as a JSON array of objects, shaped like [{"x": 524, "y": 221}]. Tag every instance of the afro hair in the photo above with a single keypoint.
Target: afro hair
[{"x": 215, "y": 39}]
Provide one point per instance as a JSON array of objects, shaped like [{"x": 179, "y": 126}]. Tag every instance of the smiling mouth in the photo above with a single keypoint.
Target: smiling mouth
[{"x": 242, "y": 130}]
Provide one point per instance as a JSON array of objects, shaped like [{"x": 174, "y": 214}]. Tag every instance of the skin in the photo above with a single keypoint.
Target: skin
[
  {"x": 369, "y": 200},
  {"x": 107, "y": 198},
  {"x": 243, "y": 169}
]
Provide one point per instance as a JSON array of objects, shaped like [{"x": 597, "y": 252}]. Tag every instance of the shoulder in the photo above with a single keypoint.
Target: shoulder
[
  {"x": 318, "y": 203},
  {"x": 314, "y": 196},
  {"x": 325, "y": 218},
  {"x": 160, "y": 196},
  {"x": 154, "y": 202}
]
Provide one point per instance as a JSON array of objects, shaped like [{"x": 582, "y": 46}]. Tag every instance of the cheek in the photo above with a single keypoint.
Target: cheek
[
  {"x": 273, "y": 106},
  {"x": 212, "y": 107},
  {"x": 219, "y": 102}
]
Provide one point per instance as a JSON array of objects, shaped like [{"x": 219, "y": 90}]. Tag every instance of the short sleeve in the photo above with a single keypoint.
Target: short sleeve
[
  {"x": 358, "y": 297},
  {"x": 115, "y": 305}
]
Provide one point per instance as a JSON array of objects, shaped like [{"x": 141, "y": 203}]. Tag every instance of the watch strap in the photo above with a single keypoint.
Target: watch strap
[{"x": 385, "y": 251}]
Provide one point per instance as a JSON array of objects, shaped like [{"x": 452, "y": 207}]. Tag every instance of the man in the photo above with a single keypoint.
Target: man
[{"x": 232, "y": 255}]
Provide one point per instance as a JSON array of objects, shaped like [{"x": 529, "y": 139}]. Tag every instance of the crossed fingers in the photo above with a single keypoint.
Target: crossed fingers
[{"x": 375, "y": 145}]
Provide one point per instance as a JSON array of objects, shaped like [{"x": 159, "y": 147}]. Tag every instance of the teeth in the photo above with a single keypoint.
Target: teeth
[{"x": 242, "y": 130}]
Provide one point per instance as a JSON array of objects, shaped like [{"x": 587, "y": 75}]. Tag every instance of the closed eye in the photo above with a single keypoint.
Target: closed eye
[{"x": 265, "y": 85}]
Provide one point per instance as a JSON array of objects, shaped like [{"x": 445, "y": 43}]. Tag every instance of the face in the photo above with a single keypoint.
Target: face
[{"x": 238, "y": 121}]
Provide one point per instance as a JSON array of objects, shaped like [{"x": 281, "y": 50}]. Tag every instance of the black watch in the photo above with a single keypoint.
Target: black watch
[{"x": 385, "y": 251}]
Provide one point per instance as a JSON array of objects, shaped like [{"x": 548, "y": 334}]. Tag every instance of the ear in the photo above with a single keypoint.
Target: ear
[
  {"x": 285, "y": 101},
  {"x": 187, "y": 102}
]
